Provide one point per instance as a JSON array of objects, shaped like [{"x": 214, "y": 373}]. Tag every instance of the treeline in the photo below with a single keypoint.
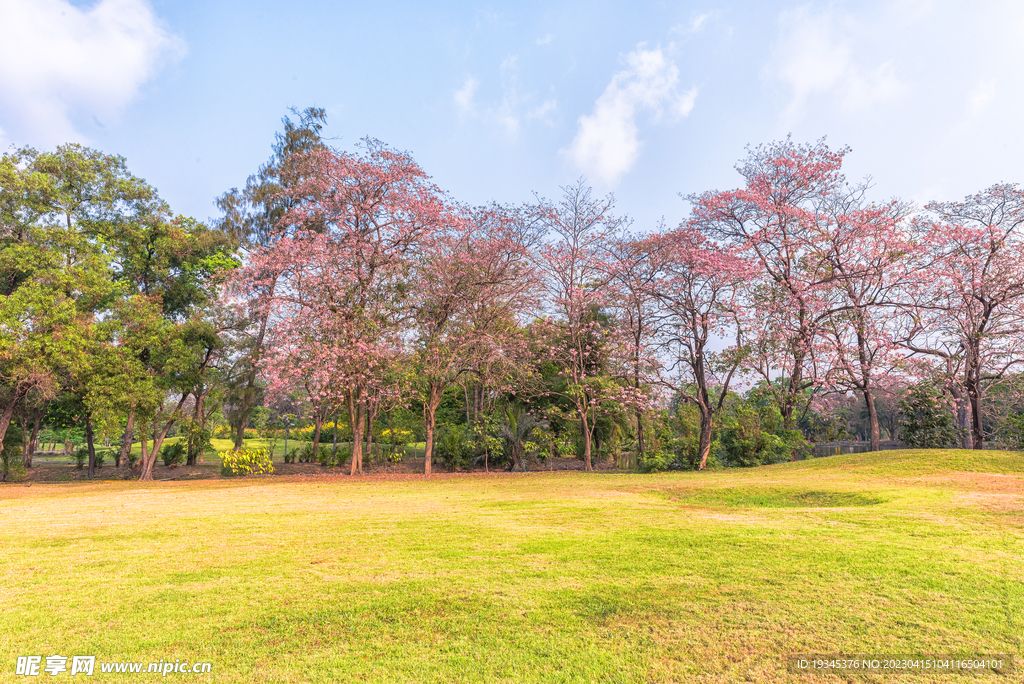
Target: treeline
[{"x": 345, "y": 288}]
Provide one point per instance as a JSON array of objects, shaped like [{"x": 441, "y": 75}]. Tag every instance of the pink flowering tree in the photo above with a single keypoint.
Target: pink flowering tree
[
  {"x": 355, "y": 230},
  {"x": 869, "y": 250},
  {"x": 632, "y": 287},
  {"x": 782, "y": 220},
  {"x": 698, "y": 286},
  {"x": 966, "y": 310},
  {"x": 575, "y": 337},
  {"x": 475, "y": 280}
]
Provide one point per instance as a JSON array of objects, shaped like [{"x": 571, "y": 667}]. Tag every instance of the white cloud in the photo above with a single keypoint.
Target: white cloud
[
  {"x": 979, "y": 99},
  {"x": 464, "y": 95},
  {"x": 607, "y": 144},
  {"x": 815, "y": 57},
  {"x": 542, "y": 110},
  {"x": 509, "y": 113},
  {"x": 59, "y": 63},
  {"x": 695, "y": 25},
  {"x": 544, "y": 40}
]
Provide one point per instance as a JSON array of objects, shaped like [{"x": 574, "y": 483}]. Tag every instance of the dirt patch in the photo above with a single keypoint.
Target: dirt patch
[{"x": 993, "y": 483}]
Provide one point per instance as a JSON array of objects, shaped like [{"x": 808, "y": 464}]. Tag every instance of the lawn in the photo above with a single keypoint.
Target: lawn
[{"x": 544, "y": 577}]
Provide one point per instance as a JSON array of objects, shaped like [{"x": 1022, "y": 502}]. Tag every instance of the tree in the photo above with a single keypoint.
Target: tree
[
  {"x": 474, "y": 280},
  {"x": 697, "y": 285},
  {"x": 775, "y": 221},
  {"x": 252, "y": 216},
  {"x": 868, "y": 250},
  {"x": 968, "y": 313},
  {"x": 62, "y": 215},
  {"x": 358, "y": 226},
  {"x": 575, "y": 338},
  {"x": 633, "y": 298}
]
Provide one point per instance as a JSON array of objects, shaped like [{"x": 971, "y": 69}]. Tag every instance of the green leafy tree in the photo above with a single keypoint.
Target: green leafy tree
[{"x": 926, "y": 420}]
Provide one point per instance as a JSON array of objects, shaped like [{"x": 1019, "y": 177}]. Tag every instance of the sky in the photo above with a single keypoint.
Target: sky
[{"x": 499, "y": 101}]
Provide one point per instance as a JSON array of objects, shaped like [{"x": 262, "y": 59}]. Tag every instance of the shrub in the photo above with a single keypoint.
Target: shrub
[
  {"x": 453, "y": 447},
  {"x": 393, "y": 453},
  {"x": 328, "y": 456},
  {"x": 306, "y": 454},
  {"x": 926, "y": 421},
  {"x": 756, "y": 437},
  {"x": 81, "y": 457},
  {"x": 246, "y": 462},
  {"x": 101, "y": 457},
  {"x": 133, "y": 458},
  {"x": 15, "y": 471},
  {"x": 172, "y": 454},
  {"x": 290, "y": 456},
  {"x": 654, "y": 461}
]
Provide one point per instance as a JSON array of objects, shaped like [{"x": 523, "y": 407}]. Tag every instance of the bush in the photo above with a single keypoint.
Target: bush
[
  {"x": 227, "y": 432},
  {"x": 654, "y": 461},
  {"x": 15, "y": 471},
  {"x": 172, "y": 454},
  {"x": 246, "y": 462},
  {"x": 393, "y": 453},
  {"x": 101, "y": 457},
  {"x": 81, "y": 457},
  {"x": 756, "y": 437},
  {"x": 453, "y": 447},
  {"x": 329, "y": 457},
  {"x": 133, "y": 458},
  {"x": 926, "y": 422},
  {"x": 290, "y": 456}
]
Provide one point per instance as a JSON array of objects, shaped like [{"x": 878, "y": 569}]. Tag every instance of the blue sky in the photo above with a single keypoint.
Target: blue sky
[{"x": 497, "y": 101}]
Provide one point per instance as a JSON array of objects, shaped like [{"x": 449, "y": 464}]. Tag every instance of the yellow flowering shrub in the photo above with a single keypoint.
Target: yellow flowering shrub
[{"x": 246, "y": 462}]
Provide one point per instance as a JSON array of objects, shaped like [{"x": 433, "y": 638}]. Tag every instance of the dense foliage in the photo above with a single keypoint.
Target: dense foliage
[{"x": 347, "y": 303}]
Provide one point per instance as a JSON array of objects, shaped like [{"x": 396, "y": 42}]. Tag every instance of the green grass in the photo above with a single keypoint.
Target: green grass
[{"x": 568, "y": 577}]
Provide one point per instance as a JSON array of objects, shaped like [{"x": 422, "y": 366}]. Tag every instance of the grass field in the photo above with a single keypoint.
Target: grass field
[{"x": 566, "y": 577}]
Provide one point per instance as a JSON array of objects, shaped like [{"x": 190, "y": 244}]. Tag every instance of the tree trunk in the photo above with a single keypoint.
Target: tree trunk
[
  {"x": 126, "y": 439},
  {"x": 334, "y": 444},
  {"x": 5, "y": 417},
  {"x": 434, "y": 394},
  {"x": 318, "y": 423},
  {"x": 640, "y": 435},
  {"x": 963, "y": 415},
  {"x": 977, "y": 426},
  {"x": 243, "y": 420},
  {"x": 370, "y": 415},
  {"x": 149, "y": 460},
  {"x": 90, "y": 443},
  {"x": 145, "y": 464},
  {"x": 356, "y": 413},
  {"x": 585, "y": 427},
  {"x": 37, "y": 416},
  {"x": 193, "y": 438},
  {"x": 875, "y": 435},
  {"x": 704, "y": 446}
]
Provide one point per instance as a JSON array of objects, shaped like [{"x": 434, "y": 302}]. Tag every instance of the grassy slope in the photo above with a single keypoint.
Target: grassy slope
[{"x": 566, "y": 577}]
